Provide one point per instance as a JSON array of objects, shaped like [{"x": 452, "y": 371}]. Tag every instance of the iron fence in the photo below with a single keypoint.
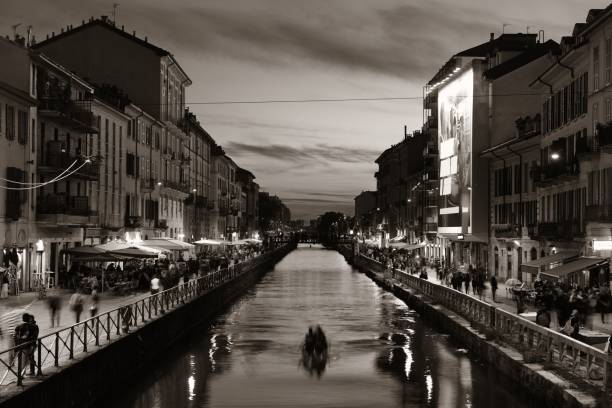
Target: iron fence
[
  {"x": 58, "y": 348},
  {"x": 538, "y": 343}
]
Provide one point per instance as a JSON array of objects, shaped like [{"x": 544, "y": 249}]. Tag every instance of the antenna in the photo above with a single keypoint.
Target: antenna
[
  {"x": 115, "y": 7},
  {"x": 504, "y": 25},
  {"x": 528, "y": 29}
]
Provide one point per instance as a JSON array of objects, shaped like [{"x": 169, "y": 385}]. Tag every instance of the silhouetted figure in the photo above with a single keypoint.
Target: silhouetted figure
[
  {"x": 314, "y": 351},
  {"x": 55, "y": 305}
]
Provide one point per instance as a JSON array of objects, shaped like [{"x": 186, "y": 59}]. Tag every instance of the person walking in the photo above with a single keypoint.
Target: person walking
[
  {"x": 603, "y": 303},
  {"x": 466, "y": 279},
  {"x": 493, "y": 287},
  {"x": 76, "y": 304},
  {"x": 155, "y": 284},
  {"x": 95, "y": 302},
  {"x": 33, "y": 332},
  {"x": 54, "y": 303}
]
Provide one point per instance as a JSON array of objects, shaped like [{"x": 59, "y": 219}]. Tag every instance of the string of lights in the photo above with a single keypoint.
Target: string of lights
[
  {"x": 54, "y": 180},
  {"x": 34, "y": 184}
]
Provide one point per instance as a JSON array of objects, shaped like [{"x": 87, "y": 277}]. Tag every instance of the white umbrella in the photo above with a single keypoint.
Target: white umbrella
[{"x": 204, "y": 241}]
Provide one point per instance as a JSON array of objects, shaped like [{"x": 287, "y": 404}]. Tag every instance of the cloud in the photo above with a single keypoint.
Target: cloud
[{"x": 318, "y": 153}]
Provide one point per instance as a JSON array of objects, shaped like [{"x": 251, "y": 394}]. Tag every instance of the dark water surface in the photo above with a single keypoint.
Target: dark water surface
[{"x": 382, "y": 354}]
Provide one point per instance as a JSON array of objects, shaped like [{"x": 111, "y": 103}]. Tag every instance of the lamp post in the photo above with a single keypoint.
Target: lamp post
[{"x": 40, "y": 249}]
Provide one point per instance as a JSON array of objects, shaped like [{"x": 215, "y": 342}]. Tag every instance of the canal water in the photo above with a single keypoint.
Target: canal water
[{"x": 382, "y": 354}]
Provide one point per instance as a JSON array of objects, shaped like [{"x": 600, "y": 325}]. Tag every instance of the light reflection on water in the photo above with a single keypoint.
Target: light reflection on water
[{"x": 381, "y": 354}]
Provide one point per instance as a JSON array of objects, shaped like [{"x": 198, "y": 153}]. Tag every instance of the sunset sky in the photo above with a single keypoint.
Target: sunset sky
[{"x": 316, "y": 156}]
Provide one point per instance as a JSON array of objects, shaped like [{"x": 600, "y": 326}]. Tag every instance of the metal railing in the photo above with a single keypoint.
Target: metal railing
[
  {"x": 587, "y": 363},
  {"x": 58, "y": 348}
]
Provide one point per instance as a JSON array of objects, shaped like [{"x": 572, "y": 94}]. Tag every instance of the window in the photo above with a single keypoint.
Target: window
[
  {"x": 22, "y": 127},
  {"x": 595, "y": 117},
  {"x": 595, "y": 68},
  {"x": 10, "y": 122},
  {"x": 608, "y": 109},
  {"x": 607, "y": 59},
  {"x": 33, "y": 135},
  {"x": 0, "y": 118}
]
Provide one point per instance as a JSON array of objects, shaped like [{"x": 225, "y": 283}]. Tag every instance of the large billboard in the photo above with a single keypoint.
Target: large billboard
[{"x": 455, "y": 118}]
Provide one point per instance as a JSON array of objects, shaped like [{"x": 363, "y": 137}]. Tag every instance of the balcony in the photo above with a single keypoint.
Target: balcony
[
  {"x": 181, "y": 187},
  {"x": 507, "y": 230},
  {"x": 599, "y": 213},
  {"x": 432, "y": 122},
  {"x": 55, "y": 103},
  {"x": 147, "y": 185},
  {"x": 430, "y": 228},
  {"x": 554, "y": 173},
  {"x": 65, "y": 210},
  {"x": 197, "y": 200},
  {"x": 161, "y": 224},
  {"x": 604, "y": 136},
  {"x": 56, "y": 161},
  {"x": 184, "y": 159},
  {"x": 133, "y": 221},
  {"x": 565, "y": 230},
  {"x": 210, "y": 206},
  {"x": 587, "y": 148}
]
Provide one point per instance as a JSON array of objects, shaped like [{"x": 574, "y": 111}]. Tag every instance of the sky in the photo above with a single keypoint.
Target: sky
[{"x": 316, "y": 156}]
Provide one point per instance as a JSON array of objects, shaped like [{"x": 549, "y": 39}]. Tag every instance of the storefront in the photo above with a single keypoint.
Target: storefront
[
  {"x": 584, "y": 271},
  {"x": 531, "y": 269}
]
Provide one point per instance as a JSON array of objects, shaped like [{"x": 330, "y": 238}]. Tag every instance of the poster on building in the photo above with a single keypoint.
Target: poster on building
[{"x": 455, "y": 105}]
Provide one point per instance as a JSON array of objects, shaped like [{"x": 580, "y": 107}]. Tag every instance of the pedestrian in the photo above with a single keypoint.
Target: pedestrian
[
  {"x": 33, "y": 332},
  {"x": 76, "y": 304},
  {"x": 543, "y": 317},
  {"x": 466, "y": 279},
  {"x": 155, "y": 284},
  {"x": 603, "y": 303},
  {"x": 5, "y": 285},
  {"x": 493, "y": 287},
  {"x": 95, "y": 301},
  {"x": 54, "y": 303}
]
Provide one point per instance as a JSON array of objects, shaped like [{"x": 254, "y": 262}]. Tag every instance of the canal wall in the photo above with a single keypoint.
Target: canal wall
[
  {"x": 534, "y": 380},
  {"x": 92, "y": 378}
]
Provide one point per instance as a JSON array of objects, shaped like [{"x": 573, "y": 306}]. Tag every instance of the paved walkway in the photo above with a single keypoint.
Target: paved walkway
[
  {"x": 505, "y": 302},
  {"x": 12, "y": 308}
]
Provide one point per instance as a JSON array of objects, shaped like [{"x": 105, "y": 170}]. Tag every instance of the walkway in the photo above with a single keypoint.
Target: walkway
[
  {"x": 505, "y": 302},
  {"x": 12, "y": 308}
]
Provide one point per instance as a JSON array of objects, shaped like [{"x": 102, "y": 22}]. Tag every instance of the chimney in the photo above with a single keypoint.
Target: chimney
[
  {"x": 492, "y": 36},
  {"x": 62, "y": 30},
  {"x": 53, "y": 34},
  {"x": 134, "y": 33},
  {"x": 104, "y": 18},
  {"x": 146, "y": 39},
  {"x": 122, "y": 28}
]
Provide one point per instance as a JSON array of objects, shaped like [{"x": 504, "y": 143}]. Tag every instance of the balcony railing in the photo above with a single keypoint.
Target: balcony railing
[
  {"x": 63, "y": 204},
  {"x": 133, "y": 221},
  {"x": 555, "y": 172},
  {"x": 75, "y": 114},
  {"x": 57, "y": 162},
  {"x": 507, "y": 230},
  {"x": 147, "y": 185},
  {"x": 197, "y": 200},
  {"x": 565, "y": 230},
  {"x": 430, "y": 227},
  {"x": 161, "y": 224},
  {"x": 599, "y": 213}
]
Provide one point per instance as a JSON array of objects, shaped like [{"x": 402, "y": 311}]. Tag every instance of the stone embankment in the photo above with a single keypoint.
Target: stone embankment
[
  {"x": 83, "y": 365},
  {"x": 547, "y": 367}
]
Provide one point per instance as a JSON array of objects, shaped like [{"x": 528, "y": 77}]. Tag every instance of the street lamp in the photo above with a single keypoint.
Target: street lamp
[{"x": 555, "y": 156}]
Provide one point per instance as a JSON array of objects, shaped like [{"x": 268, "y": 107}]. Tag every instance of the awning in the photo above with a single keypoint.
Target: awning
[
  {"x": 539, "y": 265},
  {"x": 208, "y": 242},
  {"x": 577, "y": 265},
  {"x": 399, "y": 238},
  {"x": 167, "y": 243},
  {"x": 406, "y": 246},
  {"x": 133, "y": 253},
  {"x": 84, "y": 251},
  {"x": 469, "y": 238}
]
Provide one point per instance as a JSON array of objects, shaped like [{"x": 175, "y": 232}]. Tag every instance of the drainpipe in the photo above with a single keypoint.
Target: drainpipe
[
  {"x": 136, "y": 138},
  {"x": 521, "y": 188}
]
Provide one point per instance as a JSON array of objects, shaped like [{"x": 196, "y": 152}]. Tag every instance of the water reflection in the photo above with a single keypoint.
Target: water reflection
[{"x": 381, "y": 353}]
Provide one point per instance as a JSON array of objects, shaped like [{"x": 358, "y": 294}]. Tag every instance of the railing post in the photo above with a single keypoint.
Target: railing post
[
  {"x": 56, "y": 354},
  {"x": 71, "y": 343},
  {"x": 39, "y": 361},
  {"x": 19, "y": 366},
  {"x": 97, "y": 330},
  {"x": 85, "y": 328}
]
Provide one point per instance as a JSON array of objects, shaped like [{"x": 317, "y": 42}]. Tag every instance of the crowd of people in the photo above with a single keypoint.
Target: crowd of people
[{"x": 570, "y": 304}]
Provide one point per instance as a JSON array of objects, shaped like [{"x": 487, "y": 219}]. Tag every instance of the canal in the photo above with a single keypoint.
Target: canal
[{"x": 382, "y": 354}]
